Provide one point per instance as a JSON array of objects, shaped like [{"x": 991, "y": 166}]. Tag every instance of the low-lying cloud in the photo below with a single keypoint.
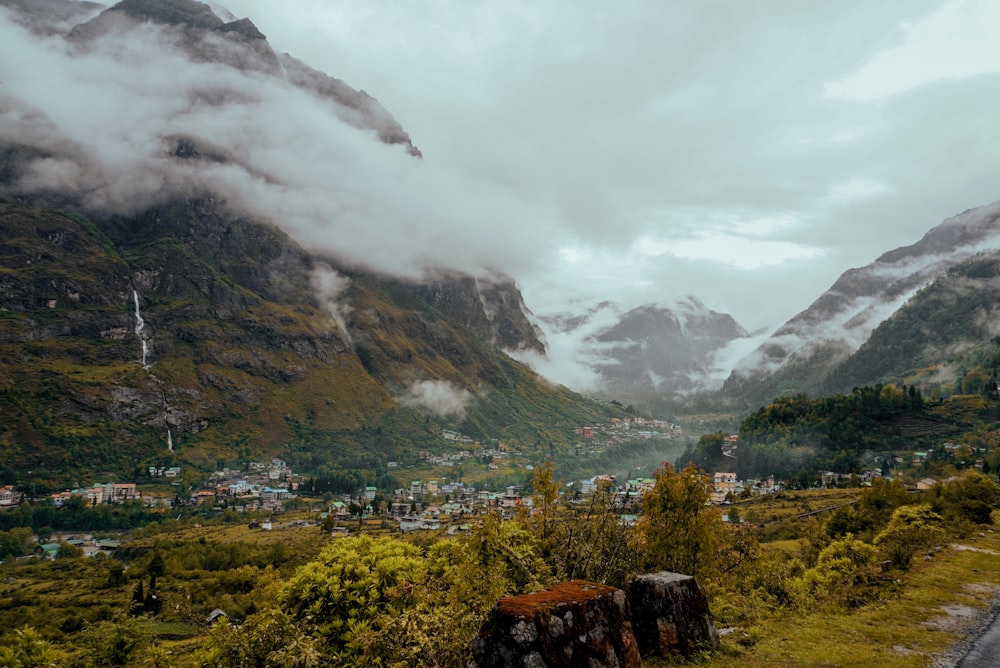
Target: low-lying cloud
[
  {"x": 439, "y": 397},
  {"x": 101, "y": 117}
]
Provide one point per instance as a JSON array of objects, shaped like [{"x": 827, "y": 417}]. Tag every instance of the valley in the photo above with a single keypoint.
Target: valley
[{"x": 271, "y": 392}]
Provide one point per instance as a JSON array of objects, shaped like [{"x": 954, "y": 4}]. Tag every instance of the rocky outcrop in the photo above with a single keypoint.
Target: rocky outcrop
[
  {"x": 670, "y": 616},
  {"x": 575, "y": 623},
  {"x": 581, "y": 623}
]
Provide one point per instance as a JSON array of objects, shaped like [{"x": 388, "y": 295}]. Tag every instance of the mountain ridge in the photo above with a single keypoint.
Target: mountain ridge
[{"x": 803, "y": 352}]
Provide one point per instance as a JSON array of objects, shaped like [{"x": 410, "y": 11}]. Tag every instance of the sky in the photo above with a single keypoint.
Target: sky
[
  {"x": 745, "y": 153},
  {"x": 637, "y": 152}
]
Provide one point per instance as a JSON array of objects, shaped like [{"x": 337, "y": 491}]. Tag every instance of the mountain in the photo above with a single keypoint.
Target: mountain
[
  {"x": 148, "y": 315},
  {"x": 939, "y": 338},
  {"x": 653, "y": 351},
  {"x": 804, "y": 354}
]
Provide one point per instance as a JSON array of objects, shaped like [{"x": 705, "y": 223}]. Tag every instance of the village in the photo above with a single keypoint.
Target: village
[{"x": 267, "y": 489}]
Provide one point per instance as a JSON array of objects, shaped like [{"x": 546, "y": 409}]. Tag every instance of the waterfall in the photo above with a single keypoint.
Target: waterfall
[{"x": 140, "y": 324}]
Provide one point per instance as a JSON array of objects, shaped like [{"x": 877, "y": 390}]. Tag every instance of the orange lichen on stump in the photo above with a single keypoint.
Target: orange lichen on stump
[{"x": 574, "y": 591}]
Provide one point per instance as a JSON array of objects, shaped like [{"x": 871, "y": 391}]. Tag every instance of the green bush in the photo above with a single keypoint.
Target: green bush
[{"x": 910, "y": 530}]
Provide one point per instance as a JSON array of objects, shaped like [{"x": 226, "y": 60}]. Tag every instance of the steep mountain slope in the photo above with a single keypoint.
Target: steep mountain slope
[
  {"x": 938, "y": 336},
  {"x": 148, "y": 314},
  {"x": 187, "y": 327},
  {"x": 204, "y": 37},
  {"x": 801, "y": 354}
]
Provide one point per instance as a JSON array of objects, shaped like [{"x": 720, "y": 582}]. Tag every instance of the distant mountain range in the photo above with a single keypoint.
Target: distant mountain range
[
  {"x": 923, "y": 314},
  {"x": 652, "y": 352}
]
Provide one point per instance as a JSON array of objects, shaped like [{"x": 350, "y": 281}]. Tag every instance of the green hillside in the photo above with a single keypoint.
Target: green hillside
[{"x": 244, "y": 360}]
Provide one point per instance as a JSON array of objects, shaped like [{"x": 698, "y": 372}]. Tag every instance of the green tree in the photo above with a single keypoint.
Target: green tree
[
  {"x": 680, "y": 531},
  {"x": 121, "y": 641},
  {"x": 545, "y": 496},
  {"x": 157, "y": 566},
  {"x": 971, "y": 499},
  {"x": 842, "y": 565},
  {"x": 352, "y": 587},
  {"x": 67, "y": 551},
  {"x": 590, "y": 541},
  {"x": 28, "y": 650},
  {"x": 270, "y": 637},
  {"x": 16, "y": 542}
]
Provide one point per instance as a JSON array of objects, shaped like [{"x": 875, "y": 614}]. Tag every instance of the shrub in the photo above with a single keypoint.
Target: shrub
[{"x": 910, "y": 530}]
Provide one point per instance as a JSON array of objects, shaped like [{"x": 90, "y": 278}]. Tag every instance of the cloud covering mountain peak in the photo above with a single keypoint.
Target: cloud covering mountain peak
[{"x": 97, "y": 116}]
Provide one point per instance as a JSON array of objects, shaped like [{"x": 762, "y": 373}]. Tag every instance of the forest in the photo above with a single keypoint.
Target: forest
[{"x": 794, "y": 438}]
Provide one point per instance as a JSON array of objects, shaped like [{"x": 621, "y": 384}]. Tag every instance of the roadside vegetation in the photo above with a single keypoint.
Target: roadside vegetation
[{"x": 872, "y": 578}]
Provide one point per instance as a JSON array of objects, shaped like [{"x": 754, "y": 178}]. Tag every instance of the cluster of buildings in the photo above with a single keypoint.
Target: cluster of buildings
[
  {"x": 111, "y": 492},
  {"x": 623, "y": 430},
  {"x": 9, "y": 497},
  {"x": 262, "y": 486}
]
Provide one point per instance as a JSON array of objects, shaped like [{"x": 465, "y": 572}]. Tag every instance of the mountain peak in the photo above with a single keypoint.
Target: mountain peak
[
  {"x": 171, "y": 12},
  {"x": 244, "y": 27}
]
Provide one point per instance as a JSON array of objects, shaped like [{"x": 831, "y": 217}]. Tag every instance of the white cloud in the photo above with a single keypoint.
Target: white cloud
[
  {"x": 746, "y": 153},
  {"x": 957, "y": 41},
  {"x": 439, "y": 397}
]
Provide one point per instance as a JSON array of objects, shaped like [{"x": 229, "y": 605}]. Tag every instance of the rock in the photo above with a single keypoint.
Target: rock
[
  {"x": 670, "y": 616},
  {"x": 575, "y": 623}
]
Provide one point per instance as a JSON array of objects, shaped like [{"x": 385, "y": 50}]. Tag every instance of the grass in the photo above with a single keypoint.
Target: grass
[{"x": 939, "y": 602}]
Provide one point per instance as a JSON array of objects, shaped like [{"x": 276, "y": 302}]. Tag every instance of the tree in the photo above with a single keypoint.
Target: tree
[
  {"x": 545, "y": 496},
  {"x": 589, "y": 541},
  {"x": 910, "y": 530},
  {"x": 679, "y": 530},
  {"x": 119, "y": 642},
  {"x": 157, "y": 567},
  {"x": 971, "y": 498},
  {"x": 28, "y": 650},
  {"x": 67, "y": 551},
  {"x": 347, "y": 590},
  {"x": 270, "y": 637}
]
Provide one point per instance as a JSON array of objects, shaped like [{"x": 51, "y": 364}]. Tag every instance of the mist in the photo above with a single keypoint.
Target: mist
[{"x": 104, "y": 117}]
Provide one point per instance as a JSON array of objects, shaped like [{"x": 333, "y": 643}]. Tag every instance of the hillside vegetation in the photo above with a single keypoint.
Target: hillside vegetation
[
  {"x": 878, "y": 571},
  {"x": 245, "y": 358}
]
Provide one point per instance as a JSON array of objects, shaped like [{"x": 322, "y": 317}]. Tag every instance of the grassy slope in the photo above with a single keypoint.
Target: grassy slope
[{"x": 940, "y": 601}]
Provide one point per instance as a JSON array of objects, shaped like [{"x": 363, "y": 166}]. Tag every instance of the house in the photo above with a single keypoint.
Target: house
[
  {"x": 273, "y": 494},
  {"x": 9, "y": 496},
  {"x": 122, "y": 492},
  {"x": 370, "y": 492},
  {"x": 627, "y": 499},
  {"x": 926, "y": 484},
  {"x": 108, "y": 545},
  {"x": 47, "y": 550},
  {"x": 59, "y": 498},
  {"x": 723, "y": 484}
]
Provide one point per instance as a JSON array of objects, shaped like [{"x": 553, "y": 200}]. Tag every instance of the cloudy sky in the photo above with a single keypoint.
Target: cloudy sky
[{"x": 746, "y": 153}]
